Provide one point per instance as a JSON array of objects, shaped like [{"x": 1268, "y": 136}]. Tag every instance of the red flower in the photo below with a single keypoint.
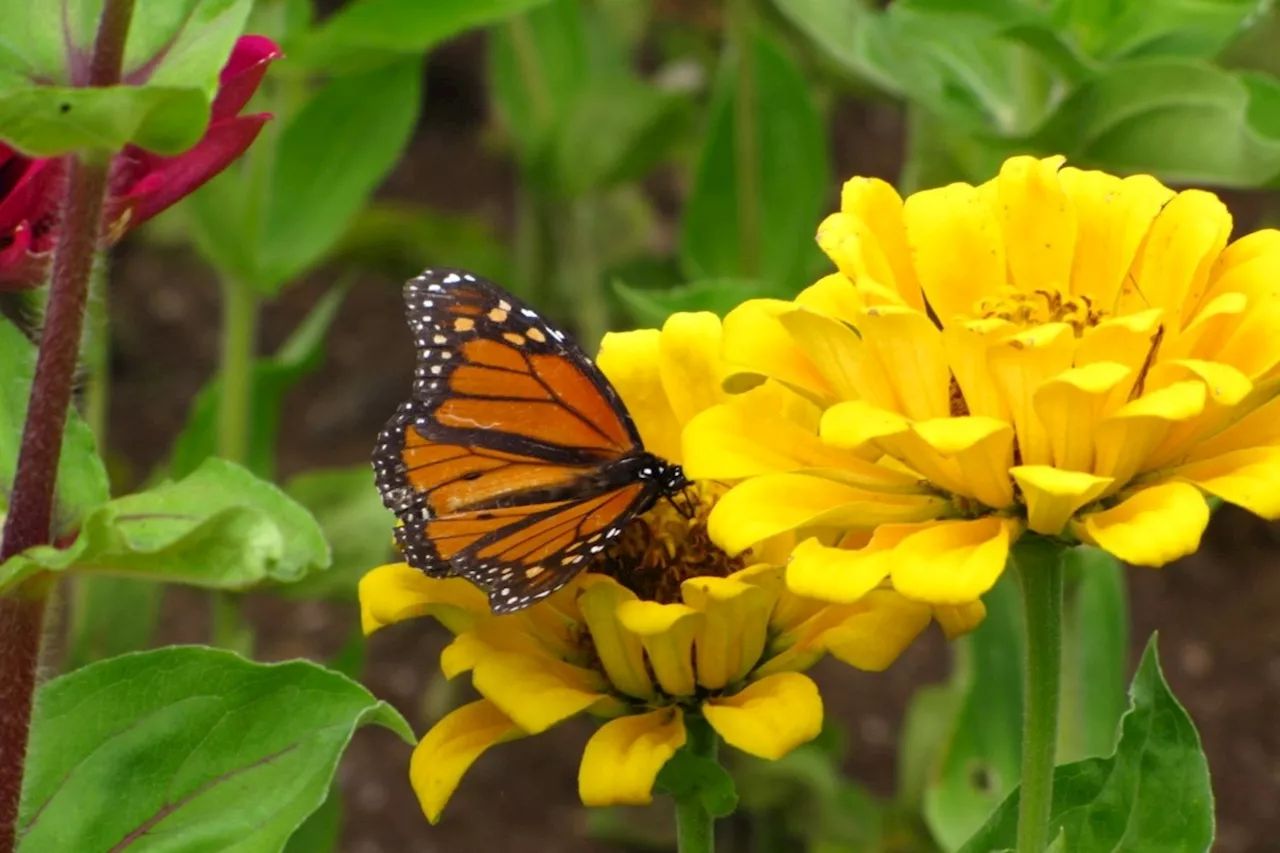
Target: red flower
[{"x": 142, "y": 184}]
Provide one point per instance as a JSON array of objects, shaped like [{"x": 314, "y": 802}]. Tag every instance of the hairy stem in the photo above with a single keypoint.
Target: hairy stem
[
  {"x": 1039, "y": 563},
  {"x": 30, "y": 518}
]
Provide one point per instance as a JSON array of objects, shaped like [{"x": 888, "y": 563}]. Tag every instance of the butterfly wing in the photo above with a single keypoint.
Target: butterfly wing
[{"x": 514, "y": 452}]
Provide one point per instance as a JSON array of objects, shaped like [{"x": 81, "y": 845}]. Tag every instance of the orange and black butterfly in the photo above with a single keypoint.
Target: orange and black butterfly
[{"x": 514, "y": 462}]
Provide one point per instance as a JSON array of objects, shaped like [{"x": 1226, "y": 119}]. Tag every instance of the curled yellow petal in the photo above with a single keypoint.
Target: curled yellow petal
[
  {"x": 877, "y": 203},
  {"x": 843, "y": 575},
  {"x": 396, "y": 592},
  {"x": 1248, "y": 478},
  {"x": 953, "y": 562},
  {"x": 957, "y": 247},
  {"x": 1153, "y": 527},
  {"x": 619, "y": 651},
  {"x": 630, "y": 361},
  {"x": 755, "y": 343},
  {"x": 1052, "y": 496},
  {"x": 623, "y": 757},
  {"x": 689, "y": 362},
  {"x": 536, "y": 692},
  {"x": 770, "y": 717},
  {"x": 666, "y": 632},
  {"x": 729, "y": 638},
  {"x": 1038, "y": 221},
  {"x": 765, "y": 506},
  {"x": 959, "y": 619},
  {"x": 874, "y": 635},
  {"x": 449, "y": 749}
]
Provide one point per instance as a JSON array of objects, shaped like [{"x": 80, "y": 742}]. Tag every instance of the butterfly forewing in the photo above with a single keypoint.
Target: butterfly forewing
[{"x": 515, "y": 460}]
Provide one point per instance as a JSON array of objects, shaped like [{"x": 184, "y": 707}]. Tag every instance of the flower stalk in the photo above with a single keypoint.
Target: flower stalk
[
  {"x": 695, "y": 827},
  {"x": 29, "y": 522},
  {"x": 1040, "y": 570}
]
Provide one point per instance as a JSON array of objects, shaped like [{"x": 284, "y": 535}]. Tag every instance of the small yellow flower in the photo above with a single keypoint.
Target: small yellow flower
[
  {"x": 664, "y": 626},
  {"x": 1063, "y": 351}
]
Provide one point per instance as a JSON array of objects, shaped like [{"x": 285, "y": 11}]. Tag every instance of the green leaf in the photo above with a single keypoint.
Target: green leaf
[
  {"x": 1095, "y": 666},
  {"x": 791, "y": 170},
  {"x": 651, "y": 307},
  {"x": 216, "y": 753},
  {"x": 686, "y": 773},
  {"x": 329, "y": 159},
  {"x": 347, "y": 505},
  {"x": 320, "y": 832},
  {"x": 926, "y": 730},
  {"x": 300, "y": 355},
  {"x": 1182, "y": 120},
  {"x": 1170, "y": 28},
  {"x": 366, "y": 31},
  {"x": 82, "y": 477},
  {"x": 1152, "y": 794},
  {"x": 981, "y": 761},
  {"x": 218, "y": 527},
  {"x": 109, "y": 617},
  {"x": 393, "y": 236},
  {"x": 174, "y": 52}
]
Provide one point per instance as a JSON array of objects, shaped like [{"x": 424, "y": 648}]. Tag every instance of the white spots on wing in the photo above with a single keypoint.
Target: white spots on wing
[
  {"x": 528, "y": 312},
  {"x": 435, "y": 368},
  {"x": 469, "y": 277},
  {"x": 452, "y": 278},
  {"x": 504, "y": 305},
  {"x": 446, "y": 355},
  {"x": 439, "y": 339},
  {"x": 596, "y": 549},
  {"x": 435, "y": 288}
]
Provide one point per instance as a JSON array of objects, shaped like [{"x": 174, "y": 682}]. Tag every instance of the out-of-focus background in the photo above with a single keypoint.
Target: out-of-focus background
[{"x": 613, "y": 160}]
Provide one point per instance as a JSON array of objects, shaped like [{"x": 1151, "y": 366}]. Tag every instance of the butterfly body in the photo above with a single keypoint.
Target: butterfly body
[{"x": 515, "y": 461}]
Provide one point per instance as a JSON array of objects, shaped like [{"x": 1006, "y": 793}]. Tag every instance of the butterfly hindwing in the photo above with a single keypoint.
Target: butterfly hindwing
[{"x": 515, "y": 460}]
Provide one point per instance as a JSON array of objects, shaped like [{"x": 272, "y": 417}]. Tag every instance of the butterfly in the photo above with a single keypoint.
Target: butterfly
[{"x": 515, "y": 461}]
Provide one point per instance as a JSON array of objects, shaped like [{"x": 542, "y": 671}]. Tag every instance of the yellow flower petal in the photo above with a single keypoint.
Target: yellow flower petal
[
  {"x": 765, "y": 506},
  {"x": 1020, "y": 365},
  {"x": 730, "y": 637},
  {"x": 1112, "y": 219},
  {"x": 958, "y": 620},
  {"x": 666, "y": 631},
  {"x": 835, "y": 296},
  {"x": 689, "y": 362},
  {"x": 876, "y": 634},
  {"x": 958, "y": 250},
  {"x": 878, "y": 204},
  {"x": 843, "y": 575},
  {"x": 630, "y": 361},
  {"x": 1172, "y": 270},
  {"x": 981, "y": 450},
  {"x": 908, "y": 346},
  {"x": 1039, "y": 223},
  {"x": 756, "y": 343},
  {"x": 1248, "y": 478},
  {"x": 1070, "y": 406},
  {"x": 1053, "y": 496},
  {"x": 849, "y": 368},
  {"x": 1153, "y": 527},
  {"x": 536, "y": 692},
  {"x": 623, "y": 757},
  {"x": 1126, "y": 340},
  {"x": 770, "y": 717},
  {"x": 462, "y": 655},
  {"x": 953, "y": 562},
  {"x": 968, "y": 345},
  {"x": 619, "y": 651},
  {"x": 449, "y": 749},
  {"x": 850, "y": 242},
  {"x": 1125, "y": 439},
  {"x": 396, "y": 592},
  {"x": 731, "y": 441}
]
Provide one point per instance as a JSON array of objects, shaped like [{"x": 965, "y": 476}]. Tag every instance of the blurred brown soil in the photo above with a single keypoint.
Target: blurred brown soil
[{"x": 1217, "y": 611}]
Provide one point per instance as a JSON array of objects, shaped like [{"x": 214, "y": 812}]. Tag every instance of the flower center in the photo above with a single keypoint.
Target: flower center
[
  {"x": 663, "y": 548},
  {"x": 1040, "y": 307}
]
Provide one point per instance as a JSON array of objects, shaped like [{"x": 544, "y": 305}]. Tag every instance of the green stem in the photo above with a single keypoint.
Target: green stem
[
  {"x": 695, "y": 827},
  {"x": 239, "y": 333},
  {"x": 581, "y": 273},
  {"x": 746, "y": 143},
  {"x": 1040, "y": 568}
]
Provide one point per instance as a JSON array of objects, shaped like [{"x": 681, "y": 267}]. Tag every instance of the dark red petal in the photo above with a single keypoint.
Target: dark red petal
[
  {"x": 242, "y": 74},
  {"x": 19, "y": 267},
  {"x": 173, "y": 178},
  {"x": 29, "y": 189}
]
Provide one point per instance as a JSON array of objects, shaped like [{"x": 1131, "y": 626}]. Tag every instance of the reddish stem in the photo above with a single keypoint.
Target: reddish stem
[{"x": 30, "y": 518}]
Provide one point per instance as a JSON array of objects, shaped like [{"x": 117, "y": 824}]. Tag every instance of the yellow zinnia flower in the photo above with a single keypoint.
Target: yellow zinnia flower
[
  {"x": 664, "y": 626},
  {"x": 1063, "y": 351}
]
